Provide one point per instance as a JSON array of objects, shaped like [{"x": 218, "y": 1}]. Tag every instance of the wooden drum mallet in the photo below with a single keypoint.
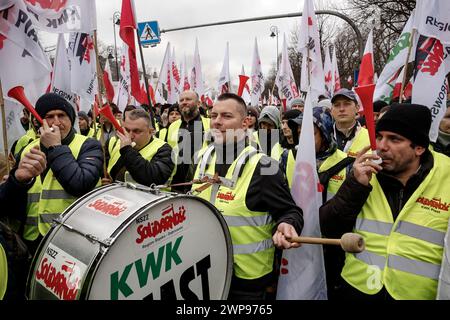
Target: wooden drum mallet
[{"x": 349, "y": 242}]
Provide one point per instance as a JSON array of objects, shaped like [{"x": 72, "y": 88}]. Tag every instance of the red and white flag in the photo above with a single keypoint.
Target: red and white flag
[
  {"x": 407, "y": 90},
  {"x": 127, "y": 34},
  {"x": 335, "y": 72},
  {"x": 224, "y": 83},
  {"x": 83, "y": 66},
  {"x": 366, "y": 69},
  {"x": 13, "y": 113},
  {"x": 184, "y": 78},
  {"x": 257, "y": 77},
  {"x": 196, "y": 78},
  {"x": 109, "y": 87},
  {"x": 166, "y": 77},
  {"x": 61, "y": 83},
  {"x": 366, "y": 88},
  {"x": 430, "y": 83},
  {"x": 123, "y": 89},
  {"x": 285, "y": 79},
  {"x": 302, "y": 269},
  {"x": 175, "y": 74},
  {"x": 328, "y": 71},
  {"x": 309, "y": 46}
]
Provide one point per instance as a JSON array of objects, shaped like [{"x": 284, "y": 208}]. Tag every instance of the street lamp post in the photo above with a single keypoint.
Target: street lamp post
[
  {"x": 116, "y": 21},
  {"x": 274, "y": 33}
]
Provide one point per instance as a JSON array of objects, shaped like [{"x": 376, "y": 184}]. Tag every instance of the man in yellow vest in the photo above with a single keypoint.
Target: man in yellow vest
[
  {"x": 252, "y": 196},
  {"x": 74, "y": 166},
  {"x": 400, "y": 207},
  {"x": 148, "y": 162},
  {"x": 14, "y": 272},
  {"x": 187, "y": 136},
  {"x": 350, "y": 136}
]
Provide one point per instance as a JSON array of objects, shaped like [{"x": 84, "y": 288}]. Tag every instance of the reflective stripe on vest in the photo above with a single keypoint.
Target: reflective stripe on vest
[
  {"x": 251, "y": 232},
  {"x": 3, "y": 272},
  {"x": 174, "y": 128},
  {"x": 408, "y": 252},
  {"x": 47, "y": 199}
]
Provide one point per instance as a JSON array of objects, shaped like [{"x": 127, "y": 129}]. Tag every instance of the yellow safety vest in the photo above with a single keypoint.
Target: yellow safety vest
[
  {"x": 47, "y": 200},
  {"x": 172, "y": 131},
  {"x": 360, "y": 141},
  {"x": 251, "y": 232},
  {"x": 334, "y": 183},
  {"x": 148, "y": 152},
  {"x": 3, "y": 272},
  {"x": 403, "y": 256},
  {"x": 162, "y": 134},
  {"x": 24, "y": 140}
]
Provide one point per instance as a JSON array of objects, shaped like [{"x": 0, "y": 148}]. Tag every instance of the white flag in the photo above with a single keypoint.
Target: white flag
[
  {"x": 433, "y": 19},
  {"x": 13, "y": 112},
  {"x": 61, "y": 72},
  {"x": 184, "y": 77},
  {"x": 335, "y": 72},
  {"x": 430, "y": 83},
  {"x": 396, "y": 60},
  {"x": 83, "y": 68},
  {"x": 196, "y": 73},
  {"x": 123, "y": 91},
  {"x": 22, "y": 60},
  {"x": 328, "y": 70},
  {"x": 61, "y": 16},
  {"x": 224, "y": 84},
  {"x": 257, "y": 77},
  {"x": 309, "y": 46},
  {"x": 285, "y": 79},
  {"x": 176, "y": 76},
  {"x": 304, "y": 276}
]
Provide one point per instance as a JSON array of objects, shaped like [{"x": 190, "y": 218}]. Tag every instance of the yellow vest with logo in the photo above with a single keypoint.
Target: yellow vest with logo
[
  {"x": 24, "y": 140},
  {"x": 334, "y": 183},
  {"x": 251, "y": 232},
  {"x": 403, "y": 256},
  {"x": 3, "y": 272},
  {"x": 148, "y": 152},
  {"x": 47, "y": 200},
  {"x": 360, "y": 141}
]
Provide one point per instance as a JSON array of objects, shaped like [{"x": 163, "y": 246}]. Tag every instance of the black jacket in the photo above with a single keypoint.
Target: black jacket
[
  {"x": 76, "y": 176},
  {"x": 156, "y": 170}
]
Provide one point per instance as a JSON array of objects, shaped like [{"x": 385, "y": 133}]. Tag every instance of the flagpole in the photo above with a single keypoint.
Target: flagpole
[
  {"x": 152, "y": 117},
  {"x": 5, "y": 132},
  {"x": 411, "y": 38}
]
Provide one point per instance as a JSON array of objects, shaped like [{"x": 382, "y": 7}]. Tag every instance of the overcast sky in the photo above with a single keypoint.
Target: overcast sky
[{"x": 212, "y": 40}]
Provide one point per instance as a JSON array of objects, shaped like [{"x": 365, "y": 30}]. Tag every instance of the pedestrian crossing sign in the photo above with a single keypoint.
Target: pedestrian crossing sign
[{"x": 149, "y": 33}]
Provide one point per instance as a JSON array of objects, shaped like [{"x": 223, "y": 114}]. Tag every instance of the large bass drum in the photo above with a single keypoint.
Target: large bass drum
[{"x": 126, "y": 242}]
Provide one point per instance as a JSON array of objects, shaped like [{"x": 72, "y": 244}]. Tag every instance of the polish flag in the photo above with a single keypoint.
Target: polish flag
[
  {"x": 127, "y": 32},
  {"x": 335, "y": 71},
  {"x": 257, "y": 77},
  {"x": 366, "y": 88},
  {"x": 196, "y": 78},
  {"x": 244, "y": 90}
]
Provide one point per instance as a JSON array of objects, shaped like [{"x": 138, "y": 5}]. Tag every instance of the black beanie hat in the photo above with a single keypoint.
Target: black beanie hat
[
  {"x": 82, "y": 114},
  {"x": 412, "y": 121},
  {"x": 52, "y": 101},
  {"x": 174, "y": 107},
  {"x": 291, "y": 114}
]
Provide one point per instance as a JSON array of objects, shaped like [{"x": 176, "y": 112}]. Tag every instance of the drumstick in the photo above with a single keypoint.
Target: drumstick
[{"x": 349, "y": 242}]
